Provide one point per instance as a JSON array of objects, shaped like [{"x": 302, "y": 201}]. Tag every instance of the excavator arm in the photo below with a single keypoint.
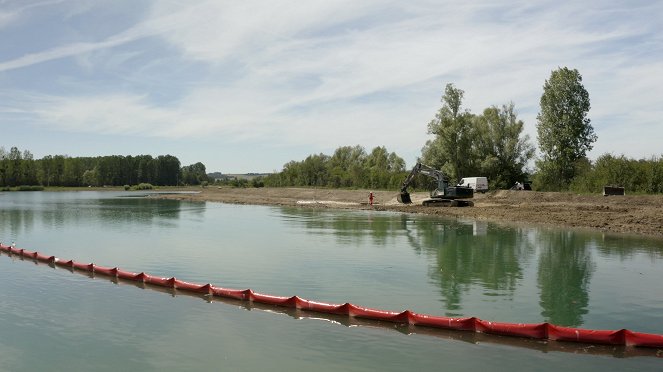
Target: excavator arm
[{"x": 442, "y": 180}]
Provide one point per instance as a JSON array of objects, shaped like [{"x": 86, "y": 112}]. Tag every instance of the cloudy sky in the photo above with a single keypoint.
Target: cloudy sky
[{"x": 246, "y": 86}]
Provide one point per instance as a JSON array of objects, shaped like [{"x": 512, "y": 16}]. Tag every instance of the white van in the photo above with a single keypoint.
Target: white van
[{"x": 479, "y": 184}]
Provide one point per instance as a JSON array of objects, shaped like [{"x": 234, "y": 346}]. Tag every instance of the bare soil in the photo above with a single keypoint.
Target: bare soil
[{"x": 632, "y": 214}]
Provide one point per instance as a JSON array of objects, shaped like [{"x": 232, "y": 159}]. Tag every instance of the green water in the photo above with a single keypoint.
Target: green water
[{"x": 52, "y": 319}]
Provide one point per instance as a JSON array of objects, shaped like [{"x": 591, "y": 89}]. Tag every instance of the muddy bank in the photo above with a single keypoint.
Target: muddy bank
[{"x": 641, "y": 214}]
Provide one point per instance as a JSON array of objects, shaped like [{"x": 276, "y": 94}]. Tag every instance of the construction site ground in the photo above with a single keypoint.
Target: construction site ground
[{"x": 630, "y": 214}]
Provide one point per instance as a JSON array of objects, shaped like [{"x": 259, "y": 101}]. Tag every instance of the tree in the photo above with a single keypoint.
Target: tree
[
  {"x": 46, "y": 165},
  {"x": 382, "y": 166},
  {"x": 452, "y": 127},
  {"x": 168, "y": 170},
  {"x": 194, "y": 174},
  {"x": 13, "y": 169},
  {"x": 28, "y": 169},
  {"x": 90, "y": 177},
  {"x": 3, "y": 166},
  {"x": 346, "y": 166},
  {"x": 564, "y": 130},
  {"x": 501, "y": 151},
  {"x": 314, "y": 170}
]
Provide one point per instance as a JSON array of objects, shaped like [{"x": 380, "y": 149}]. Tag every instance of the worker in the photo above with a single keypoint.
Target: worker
[{"x": 370, "y": 198}]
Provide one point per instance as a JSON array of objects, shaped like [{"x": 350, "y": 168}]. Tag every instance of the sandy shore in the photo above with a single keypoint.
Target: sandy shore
[{"x": 640, "y": 214}]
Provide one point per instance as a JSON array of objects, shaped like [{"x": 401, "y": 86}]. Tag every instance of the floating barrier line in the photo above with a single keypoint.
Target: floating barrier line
[{"x": 540, "y": 331}]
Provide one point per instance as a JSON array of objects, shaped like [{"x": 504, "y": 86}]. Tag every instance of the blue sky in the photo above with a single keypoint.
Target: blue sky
[{"x": 246, "y": 86}]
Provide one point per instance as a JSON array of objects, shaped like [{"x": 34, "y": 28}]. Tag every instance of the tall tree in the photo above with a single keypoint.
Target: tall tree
[
  {"x": 13, "y": 170},
  {"x": 564, "y": 130},
  {"x": 3, "y": 166},
  {"x": 346, "y": 166},
  {"x": 501, "y": 149},
  {"x": 28, "y": 169},
  {"x": 452, "y": 127},
  {"x": 194, "y": 174},
  {"x": 168, "y": 170}
]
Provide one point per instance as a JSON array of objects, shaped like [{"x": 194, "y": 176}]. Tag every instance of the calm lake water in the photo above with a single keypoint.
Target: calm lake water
[{"x": 52, "y": 319}]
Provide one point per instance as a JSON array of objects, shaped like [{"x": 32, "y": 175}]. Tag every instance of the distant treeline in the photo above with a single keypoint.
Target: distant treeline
[
  {"x": 20, "y": 168},
  {"x": 349, "y": 166},
  {"x": 638, "y": 176},
  {"x": 352, "y": 167}
]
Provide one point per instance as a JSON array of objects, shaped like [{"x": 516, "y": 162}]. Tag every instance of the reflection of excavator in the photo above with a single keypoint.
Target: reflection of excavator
[{"x": 444, "y": 195}]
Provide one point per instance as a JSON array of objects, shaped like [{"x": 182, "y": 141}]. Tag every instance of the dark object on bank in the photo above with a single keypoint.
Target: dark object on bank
[{"x": 613, "y": 190}]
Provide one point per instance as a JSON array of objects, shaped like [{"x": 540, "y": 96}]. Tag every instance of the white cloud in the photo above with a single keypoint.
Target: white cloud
[
  {"x": 6, "y": 18},
  {"x": 330, "y": 73}
]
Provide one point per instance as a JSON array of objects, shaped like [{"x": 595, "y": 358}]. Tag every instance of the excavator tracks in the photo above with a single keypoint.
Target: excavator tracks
[{"x": 447, "y": 203}]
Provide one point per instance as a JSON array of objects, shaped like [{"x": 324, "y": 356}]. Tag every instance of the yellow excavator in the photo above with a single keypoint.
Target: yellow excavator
[{"x": 443, "y": 196}]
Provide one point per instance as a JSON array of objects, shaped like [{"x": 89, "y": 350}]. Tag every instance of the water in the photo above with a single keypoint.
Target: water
[{"x": 52, "y": 319}]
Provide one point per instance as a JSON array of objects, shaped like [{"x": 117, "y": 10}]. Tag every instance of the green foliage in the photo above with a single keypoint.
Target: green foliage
[
  {"x": 501, "y": 153},
  {"x": 257, "y": 182},
  {"x": 194, "y": 174},
  {"x": 127, "y": 187},
  {"x": 144, "y": 186},
  {"x": 18, "y": 168},
  {"x": 467, "y": 145},
  {"x": 564, "y": 130},
  {"x": 349, "y": 166},
  {"x": 452, "y": 147},
  {"x": 239, "y": 183},
  {"x": 636, "y": 176}
]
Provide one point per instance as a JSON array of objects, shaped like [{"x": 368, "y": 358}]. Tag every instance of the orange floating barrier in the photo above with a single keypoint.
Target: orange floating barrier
[{"x": 538, "y": 331}]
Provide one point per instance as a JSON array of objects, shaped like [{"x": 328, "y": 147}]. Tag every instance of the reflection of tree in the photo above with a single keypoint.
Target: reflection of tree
[
  {"x": 137, "y": 210},
  {"x": 15, "y": 222},
  {"x": 624, "y": 246},
  {"x": 463, "y": 259},
  {"x": 50, "y": 211},
  {"x": 565, "y": 268},
  {"x": 347, "y": 228},
  {"x": 466, "y": 254}
]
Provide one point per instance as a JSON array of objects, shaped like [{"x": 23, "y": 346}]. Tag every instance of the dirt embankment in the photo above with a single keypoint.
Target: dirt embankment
[{"x": 641, "y": 214}]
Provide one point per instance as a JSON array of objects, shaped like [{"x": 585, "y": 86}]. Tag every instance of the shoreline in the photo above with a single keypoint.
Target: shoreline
[{"x": 640, "y": 215}]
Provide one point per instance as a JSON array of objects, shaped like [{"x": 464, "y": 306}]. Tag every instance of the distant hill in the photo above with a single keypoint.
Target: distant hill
[{"x": 235, "y": 176}]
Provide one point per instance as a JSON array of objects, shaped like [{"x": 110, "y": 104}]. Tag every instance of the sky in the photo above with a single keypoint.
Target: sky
[{"x": 247, "y": 86}]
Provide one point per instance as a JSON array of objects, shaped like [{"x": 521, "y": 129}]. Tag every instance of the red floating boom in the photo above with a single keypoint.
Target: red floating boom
[{"x": 542, "y": 331}]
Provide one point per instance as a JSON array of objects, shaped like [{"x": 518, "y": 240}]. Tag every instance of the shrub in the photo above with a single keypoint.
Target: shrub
[
  {"x": 127, "y": 187},
  {"x": 144, "y": 186},
  {"x": 257, "y": 182}
]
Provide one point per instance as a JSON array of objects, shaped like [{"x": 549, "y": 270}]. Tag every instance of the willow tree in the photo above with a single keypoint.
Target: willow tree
[
  {"x": 564, "y": 130},
  {"x": 450, "y": 150},
  {"x": 502, "y": 151}
]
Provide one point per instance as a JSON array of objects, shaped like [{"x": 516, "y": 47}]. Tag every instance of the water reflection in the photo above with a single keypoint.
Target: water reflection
[
  {"x": 471, "y": 255},
  {"x": 348, "y": 228},
  {"x": 565, "y": 269},
  {"x": 467, "y": 265},
  {"x": 21, "y": 214},
  {"x": 13, "y": 223}
]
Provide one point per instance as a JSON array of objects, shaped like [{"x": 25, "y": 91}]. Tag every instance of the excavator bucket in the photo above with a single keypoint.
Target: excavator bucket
[{"x": 404, "y": 197}]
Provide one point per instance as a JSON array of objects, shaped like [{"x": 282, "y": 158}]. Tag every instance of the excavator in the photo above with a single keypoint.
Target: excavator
[{"x": 443, "y": 196}]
